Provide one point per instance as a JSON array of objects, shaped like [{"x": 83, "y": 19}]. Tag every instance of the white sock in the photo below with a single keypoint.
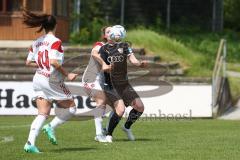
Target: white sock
[
  {"x": 62, "y": 115},
  {"x": 56, "y": 122},
  {"x": 35, "y": 127},
  {"x": 99, "y": 111}
]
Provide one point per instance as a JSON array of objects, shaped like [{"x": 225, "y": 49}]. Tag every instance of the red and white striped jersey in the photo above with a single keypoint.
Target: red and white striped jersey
[
  {"x": 97, "y": 46},
  {"x": 91, "y": 73},
  {"x": 42, "y": 50}
]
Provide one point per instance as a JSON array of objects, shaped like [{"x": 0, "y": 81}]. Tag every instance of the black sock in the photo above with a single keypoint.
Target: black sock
[
  {"x": 133, "y": 116},
  {"x": 114, "y": 120}
]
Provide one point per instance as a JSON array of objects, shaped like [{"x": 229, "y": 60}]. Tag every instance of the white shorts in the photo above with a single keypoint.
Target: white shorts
[
  {"x": 50, "y": 90},
  {"x": 92, "y": 88}
]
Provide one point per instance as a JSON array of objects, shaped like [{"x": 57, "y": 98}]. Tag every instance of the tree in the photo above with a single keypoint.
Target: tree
[{"x": 231, "y": 14}]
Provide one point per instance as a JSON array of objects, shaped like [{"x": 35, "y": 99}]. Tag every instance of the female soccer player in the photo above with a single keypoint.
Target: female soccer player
[
  {"x": 91, "y": 79},
  {"x": 46, "y": 54},
  {"x": 116, "y": 86}
]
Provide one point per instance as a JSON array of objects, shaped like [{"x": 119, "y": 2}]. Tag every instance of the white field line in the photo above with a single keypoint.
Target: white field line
[
  {"x": 6, "y": 139},
  {"x": 14, "y": 126}
]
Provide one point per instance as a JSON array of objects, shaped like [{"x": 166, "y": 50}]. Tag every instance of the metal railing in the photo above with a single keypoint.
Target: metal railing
[{"x": 219, "y": 73}]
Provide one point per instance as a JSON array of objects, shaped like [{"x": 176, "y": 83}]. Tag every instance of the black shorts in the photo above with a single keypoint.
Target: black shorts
[{"x": 120, "y": 91}]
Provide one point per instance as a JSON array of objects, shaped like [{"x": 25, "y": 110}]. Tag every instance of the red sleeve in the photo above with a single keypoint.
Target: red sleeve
[
  {"x": 57, "y": 46},
  {"x": 98, "y": 44}
]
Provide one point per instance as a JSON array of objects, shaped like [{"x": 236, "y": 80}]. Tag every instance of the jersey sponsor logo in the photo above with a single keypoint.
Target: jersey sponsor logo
[
  {"x": 120, "y": 50},
  {"x": 113, "y": 59}
]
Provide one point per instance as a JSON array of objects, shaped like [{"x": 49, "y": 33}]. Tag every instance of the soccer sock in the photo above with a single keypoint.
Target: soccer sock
[
  {"x": 62, "y": 115},
  {"x": 108, "y": 121},
  {"x": 98, "y": 113},
  {"x": 35, "y": 127},
  {"x": 133, "y": 116},
  {"x": 56, "y": 122},
  {"x": 114, "y": 120}
]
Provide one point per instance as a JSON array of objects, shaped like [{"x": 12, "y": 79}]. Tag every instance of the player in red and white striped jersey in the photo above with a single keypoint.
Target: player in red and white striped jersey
[
  {"x": 91, "y": 79},
  {"x": 46, "y": 54}
]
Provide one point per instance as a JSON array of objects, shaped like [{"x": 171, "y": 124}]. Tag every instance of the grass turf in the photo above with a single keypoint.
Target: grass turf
[{"x": 156, "y": 139}]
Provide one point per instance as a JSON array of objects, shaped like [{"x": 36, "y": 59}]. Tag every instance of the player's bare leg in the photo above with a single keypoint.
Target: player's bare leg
[
  {"x": 66, "y": 109},
  {"x": 44, "y": 108}
]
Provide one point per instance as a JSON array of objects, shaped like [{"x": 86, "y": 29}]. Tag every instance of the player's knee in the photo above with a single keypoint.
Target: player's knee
[
  {"x": 102, "y": 106},
  {"x": 73, "y": 110},
  {"x": 141, "y": 108},
  {"x": 72, "y": 103},
  {"x": 100, "y": 103},
  {"x": 138, "y": 105},
  {"x": 66, "y": 103},
  {"x": 120, "y": 111}
]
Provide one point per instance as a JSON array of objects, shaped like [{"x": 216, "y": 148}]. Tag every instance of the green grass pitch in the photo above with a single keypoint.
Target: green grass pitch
[{"x": 202, "y": 139}]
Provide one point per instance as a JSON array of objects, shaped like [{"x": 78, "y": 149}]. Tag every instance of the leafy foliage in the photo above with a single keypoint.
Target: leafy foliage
[
  {"x": 231, "y": 14},
  {"x": 91, "y": 22}
]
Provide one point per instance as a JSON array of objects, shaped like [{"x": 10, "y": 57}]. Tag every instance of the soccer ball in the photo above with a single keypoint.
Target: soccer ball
[{"x": 117, "y": 33}]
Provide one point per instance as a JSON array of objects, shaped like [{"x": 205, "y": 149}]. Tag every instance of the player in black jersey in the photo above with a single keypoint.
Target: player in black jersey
[{"x": 116, "y": 85}]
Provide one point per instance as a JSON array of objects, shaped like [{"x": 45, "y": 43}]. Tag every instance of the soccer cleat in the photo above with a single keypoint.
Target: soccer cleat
[
  {"x": 31, "y": 148},
  {"x": 47, "y": 129},
  {"x": 100, "y": 138},
  {"x": 128, "y": 133},
  {"x": 109, "y": 138}
]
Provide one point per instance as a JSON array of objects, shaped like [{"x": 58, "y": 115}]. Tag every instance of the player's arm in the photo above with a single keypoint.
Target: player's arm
[
  {"x": 97, "y": 57},
  {"x": 30, "y": 62},
  {"x": 59, "y": 67},
  {"x": 96, "y": 53},
  {"x": 56, "y": 55},
  {"x": 136, "y": 62}
]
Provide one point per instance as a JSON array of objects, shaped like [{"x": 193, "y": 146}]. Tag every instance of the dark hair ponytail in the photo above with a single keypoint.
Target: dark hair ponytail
[
  {"x": 44, "y": 21},
  {"x": 103, "y": 30}
]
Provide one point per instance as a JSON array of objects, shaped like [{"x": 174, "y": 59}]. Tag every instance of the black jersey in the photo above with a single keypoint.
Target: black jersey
[{"x": 117, "y": 55}]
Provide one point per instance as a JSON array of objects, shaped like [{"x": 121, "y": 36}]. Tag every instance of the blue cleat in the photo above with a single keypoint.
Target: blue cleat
[
  {"x": 47, "y": 129},
  {"x": 31, "y": 148}
]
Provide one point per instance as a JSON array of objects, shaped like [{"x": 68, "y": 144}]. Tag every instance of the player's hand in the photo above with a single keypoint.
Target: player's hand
[
  {"x": 72, "y": 76},
  {"x": 143, "y": 64},
  {"x": 106, "y": 68}
]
